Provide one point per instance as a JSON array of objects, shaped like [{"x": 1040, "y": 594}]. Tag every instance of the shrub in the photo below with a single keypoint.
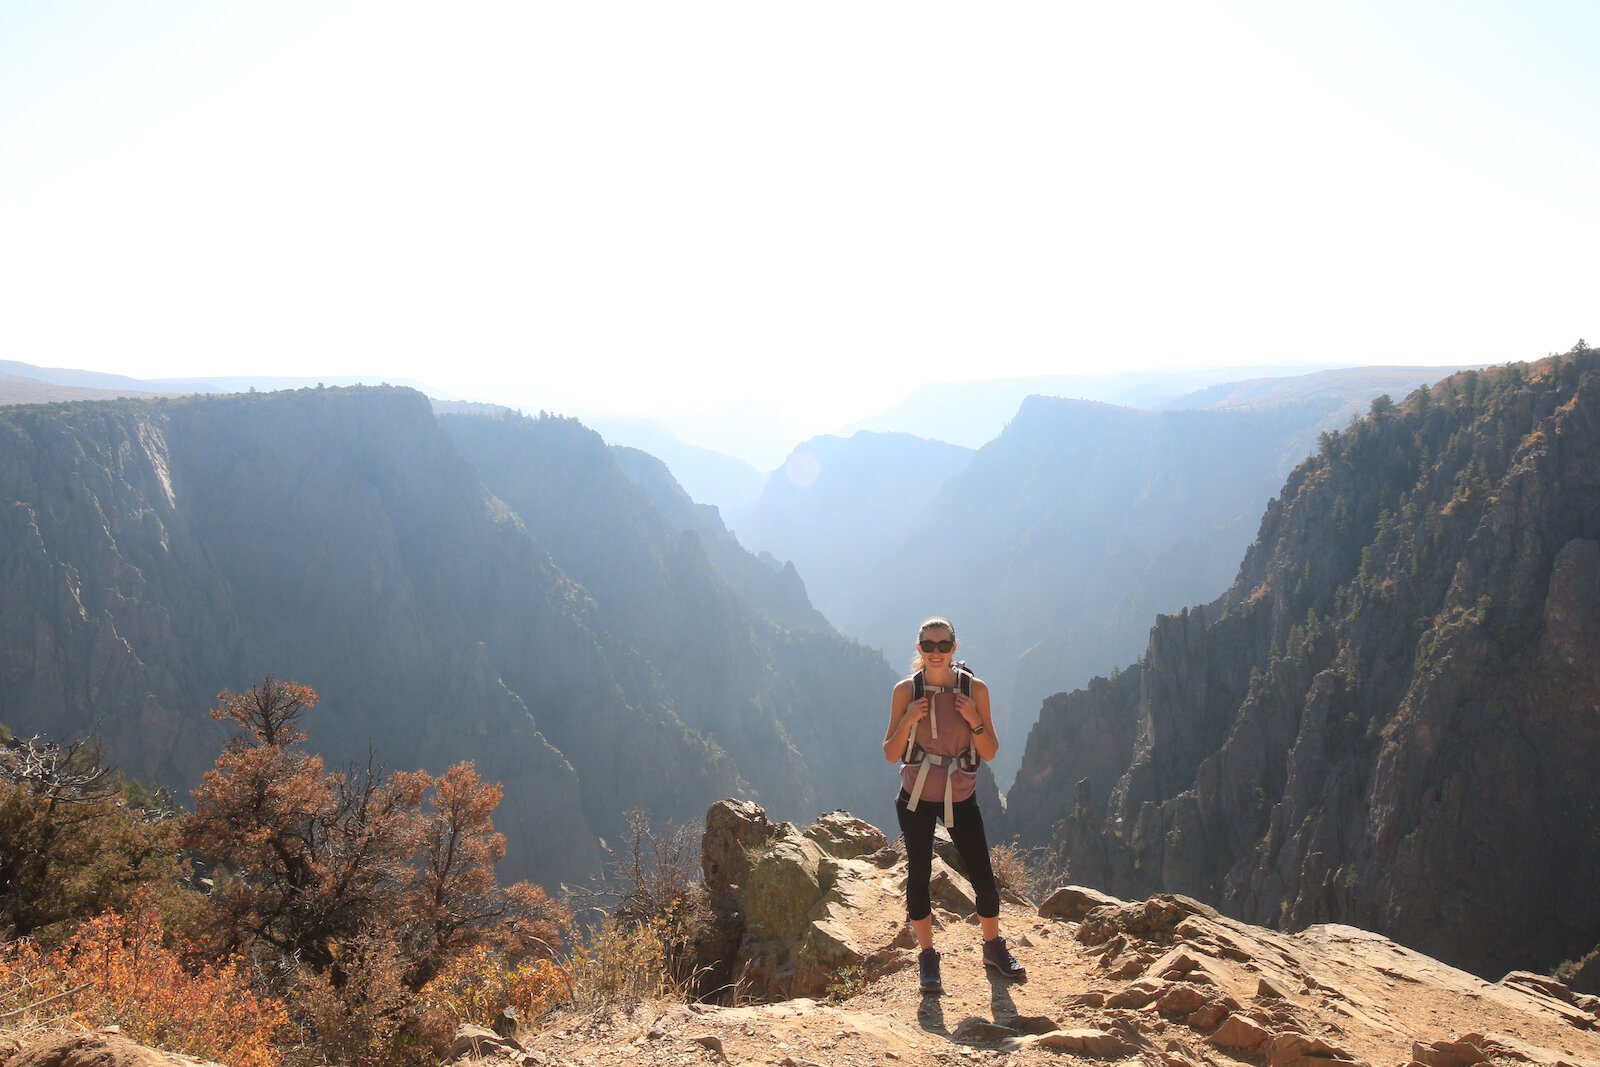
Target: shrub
[
  {"x": 1031, "y": 873},
  {"x": 846, "y": 982},
  {"x": 1010, "y": 872},
  {"x": 122, "y": 968},
  {"x": 328, "y": 862},
  {"x": 622, "y": 962},
  {"x": 366, "y": 903},
  {"x": 357, "y": 891},
  {"x": 1582, "y": 974},
  {"x": 480, "y": 986},
  {"x": 68, "y": 850},
  {"x": 656, "y": 918},
  {"x": 365, "y": 1019}
]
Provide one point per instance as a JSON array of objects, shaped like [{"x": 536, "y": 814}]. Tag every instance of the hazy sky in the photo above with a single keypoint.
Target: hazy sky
[{"x": 677, "y": 207}]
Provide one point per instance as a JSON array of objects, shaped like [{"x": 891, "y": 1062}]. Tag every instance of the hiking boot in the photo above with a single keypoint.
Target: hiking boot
[
  {"x": 928, "y": 971},
  {"x": 997, "y": 957}
]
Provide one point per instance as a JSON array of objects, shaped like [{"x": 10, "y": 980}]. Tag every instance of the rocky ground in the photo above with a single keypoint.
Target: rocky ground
[
  {"x": 1218, "y": 993},
  {"x": 1164, "y": 982}
]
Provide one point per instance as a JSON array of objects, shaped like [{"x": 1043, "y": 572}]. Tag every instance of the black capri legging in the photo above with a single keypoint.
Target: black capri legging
[{"x": 970, "y": 842}]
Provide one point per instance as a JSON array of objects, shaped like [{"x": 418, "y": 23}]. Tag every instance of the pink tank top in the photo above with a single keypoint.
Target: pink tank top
[{"x": 954, "y": 736}]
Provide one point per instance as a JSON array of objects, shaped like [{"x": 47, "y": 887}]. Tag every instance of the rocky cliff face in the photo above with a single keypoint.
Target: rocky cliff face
[
  {"x": 773, "y": 588},
  {"x": 1390, "y": 719},
  {"x": 795, "y": 707},
  {"x": 153, "y": 553}
]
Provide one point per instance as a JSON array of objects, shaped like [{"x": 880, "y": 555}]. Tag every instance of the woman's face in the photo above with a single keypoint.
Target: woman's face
[{"x": 938, "y": 635}]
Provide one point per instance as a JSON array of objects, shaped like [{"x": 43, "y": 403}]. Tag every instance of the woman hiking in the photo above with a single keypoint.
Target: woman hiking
[{"x": 940, "y": 729}]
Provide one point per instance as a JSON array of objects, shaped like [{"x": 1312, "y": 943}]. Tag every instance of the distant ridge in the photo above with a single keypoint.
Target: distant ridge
[
  {"x": 709, "y": 476},
  {"x": 1355, "y": 386},
  {"x": 20, "y": 390},
  {"x": 116, "y": 384},
  {"x": 121, "y": 385},
  {"x": 972, "y": 413},
  {"x": 837, "y": 501}
]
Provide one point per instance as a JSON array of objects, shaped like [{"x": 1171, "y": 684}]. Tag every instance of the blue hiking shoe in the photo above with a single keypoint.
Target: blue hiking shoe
[
  {"x": 928, "y": 971},
  {"x": 997, "y": 957}
]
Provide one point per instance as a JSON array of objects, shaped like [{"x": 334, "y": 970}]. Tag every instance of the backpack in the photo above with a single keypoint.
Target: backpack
[{"x": 964, "y": 762}]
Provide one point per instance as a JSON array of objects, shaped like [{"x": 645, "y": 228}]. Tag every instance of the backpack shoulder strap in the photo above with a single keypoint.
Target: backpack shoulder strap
[
  {"x": 917, "y": 684},
  {"x": 970, "y": 753}
]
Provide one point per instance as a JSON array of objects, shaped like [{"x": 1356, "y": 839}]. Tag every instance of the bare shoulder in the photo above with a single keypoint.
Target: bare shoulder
[
  {"x": 904, "y": 685},
  {"x": 979, "y": 686}
]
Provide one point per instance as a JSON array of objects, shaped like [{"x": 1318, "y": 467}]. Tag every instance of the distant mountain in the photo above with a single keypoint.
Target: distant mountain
[
  {"x": 116, "y": 384},
  {"x": 121, "y": 385},
  {"x": 784, "y": 704},
  {"x": 837, "y": 504},
  {"x": 772, "y": 587},
  {"x": 751, "y": 428},
  {"x": 156, "y": 552},
  {"x": 972, "y": 413},
  {"x": 1389, "y": 718},
  {"x": 19, "y": 390},
  {"x": 1352, "y": 387},
  {"x": 1055, "y": 546},
  {"x": 278, "y": 383},
  {"x": 708, "y": 476}
]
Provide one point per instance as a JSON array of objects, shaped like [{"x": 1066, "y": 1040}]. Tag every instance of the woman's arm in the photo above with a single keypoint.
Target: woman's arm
[
  {"x": 975, "y": 709},
  {"x": 904, "y": 714}
]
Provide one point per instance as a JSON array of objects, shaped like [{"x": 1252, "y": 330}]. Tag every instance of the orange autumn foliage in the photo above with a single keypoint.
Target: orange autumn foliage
[
  {"x": 357, "y": 890},
  {"x": 326, "y": 858},
  {"x": 479, "y": 985},
  {"x": 123, "y": 968},
  {"x": 355, "y": 917}
]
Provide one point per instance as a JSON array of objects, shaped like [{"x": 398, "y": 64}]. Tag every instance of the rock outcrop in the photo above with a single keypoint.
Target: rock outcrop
[
  {"x": 826, "y": 957},
  {"x": 1390, "y": 718},
  {"x": 105, "y": 1048},
  {"x": 792, "y": 899}
]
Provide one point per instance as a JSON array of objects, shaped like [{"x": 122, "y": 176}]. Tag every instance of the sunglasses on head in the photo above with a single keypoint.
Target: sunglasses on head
[{"x": 936, "y": 646}]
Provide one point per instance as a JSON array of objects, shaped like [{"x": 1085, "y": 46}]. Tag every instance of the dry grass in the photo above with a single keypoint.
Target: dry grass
[
  {"x": 654, "y": 912},
  {"x": 1031, "y": 873}
]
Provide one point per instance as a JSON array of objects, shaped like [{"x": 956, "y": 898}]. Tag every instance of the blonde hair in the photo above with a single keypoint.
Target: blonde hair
[{"x": 933, "y": 623}]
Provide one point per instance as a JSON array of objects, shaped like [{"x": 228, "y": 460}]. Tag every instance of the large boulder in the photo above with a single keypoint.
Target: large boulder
[
  {"x": 91, "y": 1050},
  {"x": 1154, "y": 919},
  {"x": 841, "y": 834},
  {"x": 801, "y": 908},
  {"x": 1073, "y": 902},
  {"x": 735, "y": 831},
  {"x": 828, "y": 948},
  {"x": 950, "y": 890},
  {"x": 477, "y": 1042},
  {"x": 782, "y": 889}
]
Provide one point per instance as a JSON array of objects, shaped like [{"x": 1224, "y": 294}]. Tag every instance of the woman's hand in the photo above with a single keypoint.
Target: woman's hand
[
  {"x": 916, "y": 711},
  {"x": 967, "y": 708}
]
